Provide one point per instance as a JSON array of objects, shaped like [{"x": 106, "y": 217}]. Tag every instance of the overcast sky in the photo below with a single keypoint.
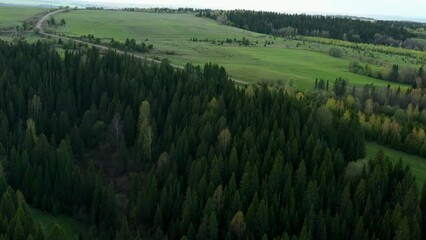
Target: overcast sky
[{"x": 404, "y": 8}]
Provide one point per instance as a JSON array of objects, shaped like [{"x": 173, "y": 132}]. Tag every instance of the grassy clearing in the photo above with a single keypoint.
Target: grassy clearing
[
  {"x": 287, "y": 61},
  {"x": 70, "y": 226},
  {"x": 298, "y": 66},
  {"x": 417, "y": 164},
  {"x": 14, "y": 16},
  {"x": 121, "y": 25}
]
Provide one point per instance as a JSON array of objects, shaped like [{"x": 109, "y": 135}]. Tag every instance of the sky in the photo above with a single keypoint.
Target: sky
[
  {"x": 380, "y": 9},
  {"x": 402, "y": 8}
]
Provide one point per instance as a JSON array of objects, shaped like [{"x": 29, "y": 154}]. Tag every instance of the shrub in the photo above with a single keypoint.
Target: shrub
[{"x": 335, "y": 52}]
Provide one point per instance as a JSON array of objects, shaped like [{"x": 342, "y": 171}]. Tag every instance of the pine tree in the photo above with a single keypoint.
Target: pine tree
[
  {"x": 213, "y": 227},
  {"x": 158, "y": 219},
  {"x": 300, "y": 180},
  {"x": 403, "y": 230},
  {"x": 189, "y": 209},
  {"x": 203, "y": 230},
  {"x": 224, "y": 139},
  {"x": 145, "y": 132},
  {"x": 18, "y": 231},
  {"x": 359, "y": 230},
  {"x": 129, "y": 126},
  {"x": 262, "y": 217},
  {"x": 124, "y": 233},
  {"x": 238, "y": 225},
  {"x": 191, "y": 232},
  {"x": 7, "y": 206},
  {"x": 56, "y": 233},
  {"x": 423, "y": 210}
]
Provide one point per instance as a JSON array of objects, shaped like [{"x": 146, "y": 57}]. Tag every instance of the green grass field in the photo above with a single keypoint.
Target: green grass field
[
  {"x": 417, "y": 164},
  {"x": 14, "y": 16},
  {"x": 121, "y": 25},
  {"x": 47, "y": 221},
  {"x": 286, "y": 61},
  {"x": 277, "y": 64}
]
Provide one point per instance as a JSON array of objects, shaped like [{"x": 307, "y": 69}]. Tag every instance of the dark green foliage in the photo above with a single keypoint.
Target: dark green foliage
[
  {"x": 57, "y": 233},
  {"x": 394, "y": 73},
  {"x": 129, "y": 126},
  {"x": 423, "y": 209},
  {"x": 124, "y": 233},
  {"x": 335, "y": 52},
  {"x": 131, "y": 45},
  {"x": 16, "y": 220},
  {"x": 51, "y": 21},
  {"x": 339, "y": 87},
  {"x": 206, "y": 160},
  {"x": 354, "y": 30}
]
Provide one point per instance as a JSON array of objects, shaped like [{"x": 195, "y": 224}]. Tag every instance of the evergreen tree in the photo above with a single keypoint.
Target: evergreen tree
[
  {"x": 56, "y": 233},
  {"x": 403, "y": 230},
  {"x": 124, "y": 233},
  {"x": 423, "y": 209},
  {"x": 129, "y": 126},
  {"x": 145, "y": 132},
  {"x": 238, "y": 224}
]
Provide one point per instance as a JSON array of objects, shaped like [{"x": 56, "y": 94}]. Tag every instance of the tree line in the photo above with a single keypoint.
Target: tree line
[
  {"x": 344, "y": 28},
  {"x": 389, "y": 116},
  {"x": 127, "y": 45},
  {"x": 416, "y": 77}
]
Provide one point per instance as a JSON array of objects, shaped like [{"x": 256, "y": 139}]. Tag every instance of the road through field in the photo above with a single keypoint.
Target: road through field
[{"x": 39, "y": 26}]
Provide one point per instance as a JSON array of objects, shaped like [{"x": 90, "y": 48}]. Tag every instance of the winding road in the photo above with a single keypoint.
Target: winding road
[{"x": 39, "y": 26}]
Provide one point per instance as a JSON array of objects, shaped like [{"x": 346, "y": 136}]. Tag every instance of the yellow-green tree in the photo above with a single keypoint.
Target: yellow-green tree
[
  {"x": 238, "y": 224},
  {"x": 145, "y": 132}
]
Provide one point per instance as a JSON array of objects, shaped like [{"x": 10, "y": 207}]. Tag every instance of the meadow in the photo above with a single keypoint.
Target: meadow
[
  {"x": 417, "y": 164},
  {"x": 296, "y": 62},
  {"x": 70, "y": 226},
  {"x": 14, "y": 16}
]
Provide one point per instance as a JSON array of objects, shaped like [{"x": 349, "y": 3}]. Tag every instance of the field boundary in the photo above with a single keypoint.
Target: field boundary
[{"x": 39, "y": 26}]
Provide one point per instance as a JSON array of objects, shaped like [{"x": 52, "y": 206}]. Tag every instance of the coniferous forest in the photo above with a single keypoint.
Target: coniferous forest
[
  {"x": 137, "y": 150},
  {"x": 337, "y": 27}
]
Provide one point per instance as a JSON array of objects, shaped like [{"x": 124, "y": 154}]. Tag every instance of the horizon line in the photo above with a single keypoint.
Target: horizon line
[{"x": 111, "y": 5}]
